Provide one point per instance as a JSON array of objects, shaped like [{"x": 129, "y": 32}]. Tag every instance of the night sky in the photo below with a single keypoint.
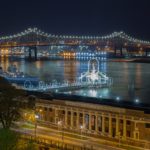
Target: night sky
[{"x": 77, "y": 17}]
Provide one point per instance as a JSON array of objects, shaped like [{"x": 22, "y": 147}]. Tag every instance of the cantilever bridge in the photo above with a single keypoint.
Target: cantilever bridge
[{"x": 115, "y": 42}]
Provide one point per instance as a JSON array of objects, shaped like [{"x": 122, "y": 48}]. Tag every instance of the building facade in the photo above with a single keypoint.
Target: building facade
[{"x": 115, "y": 123}]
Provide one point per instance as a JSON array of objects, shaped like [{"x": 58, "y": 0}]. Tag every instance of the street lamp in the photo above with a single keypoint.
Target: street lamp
[
  {"x": 36, "y": 117},
  {"x": 81, "y": 127},
  {"x": 119, "y": 137},
  {"x": 60, "y": 123}
]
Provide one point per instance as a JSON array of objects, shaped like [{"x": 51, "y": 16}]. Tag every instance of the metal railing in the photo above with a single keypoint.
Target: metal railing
[{"x": 60, "y": 86}]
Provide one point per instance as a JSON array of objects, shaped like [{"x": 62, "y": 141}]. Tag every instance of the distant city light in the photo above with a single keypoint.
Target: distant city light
[
  {"x": 100, "y": 96},
  {"x": 93, "y": 93},
  {"x": 118, "y": 98},
  {"x": 137, "y": 100}
]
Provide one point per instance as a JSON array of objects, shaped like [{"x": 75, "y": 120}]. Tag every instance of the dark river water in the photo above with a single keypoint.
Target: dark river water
[{"x": 131, "y": 81}]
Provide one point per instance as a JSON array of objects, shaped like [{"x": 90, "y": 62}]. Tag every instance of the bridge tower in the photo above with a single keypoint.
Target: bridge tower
[
  {"x": 118, "y": 48},
  {"x": 32, "y": 48},
  {"x": 147, "y": 50}
]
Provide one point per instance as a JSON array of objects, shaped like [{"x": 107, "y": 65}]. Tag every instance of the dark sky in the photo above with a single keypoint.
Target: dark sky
[{"x": 79, "y": 17}]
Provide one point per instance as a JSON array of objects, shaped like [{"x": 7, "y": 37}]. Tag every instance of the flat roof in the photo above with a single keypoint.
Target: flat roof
[{"x": 101, "y": 101}]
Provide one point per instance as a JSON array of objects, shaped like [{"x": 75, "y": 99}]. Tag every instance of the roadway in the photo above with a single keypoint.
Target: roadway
[{"x": 70, "y": 138}]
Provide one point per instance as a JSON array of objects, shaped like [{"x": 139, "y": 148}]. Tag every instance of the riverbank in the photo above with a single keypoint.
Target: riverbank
[{"x": 133, "y": 60}]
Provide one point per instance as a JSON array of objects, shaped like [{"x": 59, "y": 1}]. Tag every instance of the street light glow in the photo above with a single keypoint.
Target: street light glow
[
  {"x": 81, "y": 127},
  {"x": 36, "y": 117}
]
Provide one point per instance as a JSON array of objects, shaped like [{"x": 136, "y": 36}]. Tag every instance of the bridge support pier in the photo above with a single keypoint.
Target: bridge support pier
[
  {"x": 147, "y": 50},
  {"x": 30, "y": 56},
  {"x": 121, "y": 51},
  {"x": 35, "y": 53},
  {"x": 118, "y": 49},
  {"x": 32, "y": 48},
  {"x": 115, "y": 51}
]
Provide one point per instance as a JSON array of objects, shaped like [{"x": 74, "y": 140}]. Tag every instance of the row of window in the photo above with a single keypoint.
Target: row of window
[{"x": 81, "y": 115}]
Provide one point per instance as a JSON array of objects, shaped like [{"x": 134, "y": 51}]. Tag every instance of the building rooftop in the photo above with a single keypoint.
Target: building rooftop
[{"x": 101, "y": 101}]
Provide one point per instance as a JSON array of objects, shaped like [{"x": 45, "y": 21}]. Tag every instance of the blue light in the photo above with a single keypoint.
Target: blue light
[
  {"x": 118, "y": 98},
  {"x": 137, "y": 100},
  {"x": 100, "y": 96}
]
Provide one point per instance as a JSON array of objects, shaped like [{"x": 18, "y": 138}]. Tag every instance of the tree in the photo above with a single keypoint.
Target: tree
[
  {"x": 10, "y": 103},
  {"x": 8, "y": 139}
]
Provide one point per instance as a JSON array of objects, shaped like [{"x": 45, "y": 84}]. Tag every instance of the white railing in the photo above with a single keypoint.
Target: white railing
[{"x": 66, "y": 85}]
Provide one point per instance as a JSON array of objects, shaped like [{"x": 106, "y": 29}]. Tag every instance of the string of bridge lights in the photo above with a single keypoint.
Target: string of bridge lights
[{"x": 41, "y": 33}]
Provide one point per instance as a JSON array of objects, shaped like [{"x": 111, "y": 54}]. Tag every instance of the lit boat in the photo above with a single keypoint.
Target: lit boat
[
  {"x": 17, "y": 77},
  {"x": 93, "y": 76}
]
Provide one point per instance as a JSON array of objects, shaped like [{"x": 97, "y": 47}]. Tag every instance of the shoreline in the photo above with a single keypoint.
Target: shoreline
[
  {"x": 131, "y": 60},
  {"x": 127, "y": 60}
]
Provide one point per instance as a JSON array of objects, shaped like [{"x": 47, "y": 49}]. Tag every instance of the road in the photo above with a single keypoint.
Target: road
[
  {"x": 67, "y": 137},
  {"x": 71, "y": 138}
]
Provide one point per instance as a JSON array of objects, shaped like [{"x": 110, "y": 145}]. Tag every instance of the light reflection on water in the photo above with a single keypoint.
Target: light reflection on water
[{"x": 131, "y": 80}]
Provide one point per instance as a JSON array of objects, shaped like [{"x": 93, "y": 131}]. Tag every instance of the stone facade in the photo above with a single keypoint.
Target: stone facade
[{"x": 96, "y": 119}]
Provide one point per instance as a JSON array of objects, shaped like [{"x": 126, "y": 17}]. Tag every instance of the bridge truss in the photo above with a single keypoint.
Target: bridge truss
[{"x": 33, "y": 37}]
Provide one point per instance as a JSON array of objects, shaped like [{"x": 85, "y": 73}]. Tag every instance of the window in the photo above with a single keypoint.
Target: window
[
  {"x": 81, "y": 115},
  {"x": 75, "y": 114},
  {"x": 113, "y": 119},
  {"x": 45, "y": 108},
  {"x": 63, "y": 112},
  {"x": 128, "y": 134},
  {"x": 137, "y": 135},
  {"x": 128, "y": 122},
  {"x": 106, "y": 118},
  {"x": 121, "y": 121},
  {"x": 106, "y": 129},
  {"x": 50, "y": 109},
  {"x": 147, "y": 125}
]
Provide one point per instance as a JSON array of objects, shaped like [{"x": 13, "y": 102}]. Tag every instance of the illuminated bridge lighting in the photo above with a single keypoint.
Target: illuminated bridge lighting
[{"x": 38, "y": 32}]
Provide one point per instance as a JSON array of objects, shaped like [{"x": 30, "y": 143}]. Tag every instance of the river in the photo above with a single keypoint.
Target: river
[{"x": 131, "y": 81}]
